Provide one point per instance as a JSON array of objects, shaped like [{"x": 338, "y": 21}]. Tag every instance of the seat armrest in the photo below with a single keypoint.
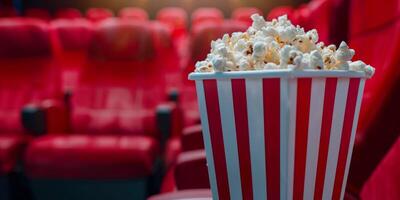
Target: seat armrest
[
  {"x": 33, "y": 119},
  {"x": 49, "y": 116},
  {"x": 169, "y": 121}
]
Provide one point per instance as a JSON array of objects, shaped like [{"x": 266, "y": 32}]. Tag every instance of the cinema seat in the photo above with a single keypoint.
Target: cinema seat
[
  {"x": 176, "y": 18},
  {"x": 206, "y": 14},
  {"x": 133, "y": 13},
  {"x": 71, "y": 44},
  {"x": 114, "y": 142},
  {"x": 379, "y": 45},
  {"x": 384, "y": 183},
  {"x": 38, "y": 13},
  {"x": 68, "y": 13},
  {"x": 243, "y": 14},
  {"x": 191, "y": 171},
  {"x": 27, "y": 80},
  {"x": 192, "y": 138},
  {"x": 98, "y": 14},
  {"x": 202, "y": 194}
]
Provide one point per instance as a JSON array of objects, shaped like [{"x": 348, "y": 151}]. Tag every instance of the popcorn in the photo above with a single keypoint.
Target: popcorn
[
  {"x": 278, "y": 44},
  {"x": 343, "y": 55},
  {"x": 361, "y": 66}
]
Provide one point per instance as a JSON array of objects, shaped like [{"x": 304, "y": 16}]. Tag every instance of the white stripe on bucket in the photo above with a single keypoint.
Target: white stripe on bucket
[
  {"x": 353, "y": 134},
  {"x": 314, "y": 132},
  {"x": 284, "y": 135},
  {"x": 206, "y": 138},
  {"x": 335, "y": 137},
  {"x": 254, "y": 97},
  {"x": 229, "y": 136},
  {"x": 291, "y": 136}
]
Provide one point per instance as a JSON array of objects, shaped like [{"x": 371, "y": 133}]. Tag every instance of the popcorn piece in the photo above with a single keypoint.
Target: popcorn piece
[
  {"x": 259, "y": 51},
  {"x": 361, "y": 66},
  {"x": 258, "y": 22},
  {"x": 218, "y": 63},
  {"x": 316, "y": 61},
  {"x": 342, "y": 55},
  {"x": 304, "y": 43}
]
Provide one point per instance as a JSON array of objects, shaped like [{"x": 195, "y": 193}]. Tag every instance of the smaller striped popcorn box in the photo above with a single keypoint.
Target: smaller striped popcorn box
[{"x": 279, "y": 134}]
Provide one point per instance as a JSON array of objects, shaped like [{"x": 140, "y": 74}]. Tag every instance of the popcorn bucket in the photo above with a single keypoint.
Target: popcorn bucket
[{"x": 279, "y": 134}]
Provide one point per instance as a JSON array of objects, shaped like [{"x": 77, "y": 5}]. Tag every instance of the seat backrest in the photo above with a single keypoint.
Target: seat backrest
[
  {"x": 98, "y": 14},
  {"x": 191, "y": 171},
  {"x": 243, "y": 14},
  {"x": 205, "y": 14},
  {"x": 133, "y": 13},
  {"x": 192, "y": 138},
  {"x": 68, "y": 13},
  {"x": 378, "y": 121},
  {"x": 70, "y": 44},
  {"x": 176, "y": 18},
  {"x": 73, "y": 35},
  {"x": 26, "y": 71},
  {"x": 368, "y": 15},
  {"x": 113, "y": 93},
  {"x": 38, "y": 13}
]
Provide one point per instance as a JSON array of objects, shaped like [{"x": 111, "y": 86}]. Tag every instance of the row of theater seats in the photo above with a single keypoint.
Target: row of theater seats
[
  {"x": 105, "y": 134},
  {"x": 133, "y": 13},
  {"x": 88, "y": 105},
  {"x": 375, "y": 35}
]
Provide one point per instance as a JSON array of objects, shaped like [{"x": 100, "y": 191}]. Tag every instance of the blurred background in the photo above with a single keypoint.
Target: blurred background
[{"x": 95, "y": 101}]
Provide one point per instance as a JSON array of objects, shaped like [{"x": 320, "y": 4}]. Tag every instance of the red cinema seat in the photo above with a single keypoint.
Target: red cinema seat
[
  {"x": 202, "y": 15},
  {"x": 176, "y": 18},
  {"x": 378, "y": 123},
  {"x": 243, "y": 14},
  {"x": 133, "y": 13},
  {"x": 98, "y": 14},
  {"x": 203, "y": 194},
  {"x": 192, "y": 138},
  {"x": 71, "y": 45},
  {"x": 384, "y": 183},
  {"x": 27, "y": 76},
  {"x": 113, "y": 146},
  {"x": 38, "y": 13},
  {"x": 8, "y": 12},
  {"x": 191, "y": 171},
  {"x": 68, "y": 13}
]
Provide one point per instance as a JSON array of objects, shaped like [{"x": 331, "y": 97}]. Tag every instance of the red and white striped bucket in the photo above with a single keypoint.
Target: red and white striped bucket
[{"x": 279, "y": 134}]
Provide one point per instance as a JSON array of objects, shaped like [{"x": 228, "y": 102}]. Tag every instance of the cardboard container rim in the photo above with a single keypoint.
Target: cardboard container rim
[{"x": 281, "y": 73}]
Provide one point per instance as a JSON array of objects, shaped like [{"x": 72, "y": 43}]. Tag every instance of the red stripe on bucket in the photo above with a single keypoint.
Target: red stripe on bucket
[
  {"x": 271, "y": 97},
  {"x": 301, "y": 135},
  {"x": 242, "y": 136},
  {"x": 217, "y": 142},
  {"x": 329, "y": 102},
  {"x": 346, "y": 134}
]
